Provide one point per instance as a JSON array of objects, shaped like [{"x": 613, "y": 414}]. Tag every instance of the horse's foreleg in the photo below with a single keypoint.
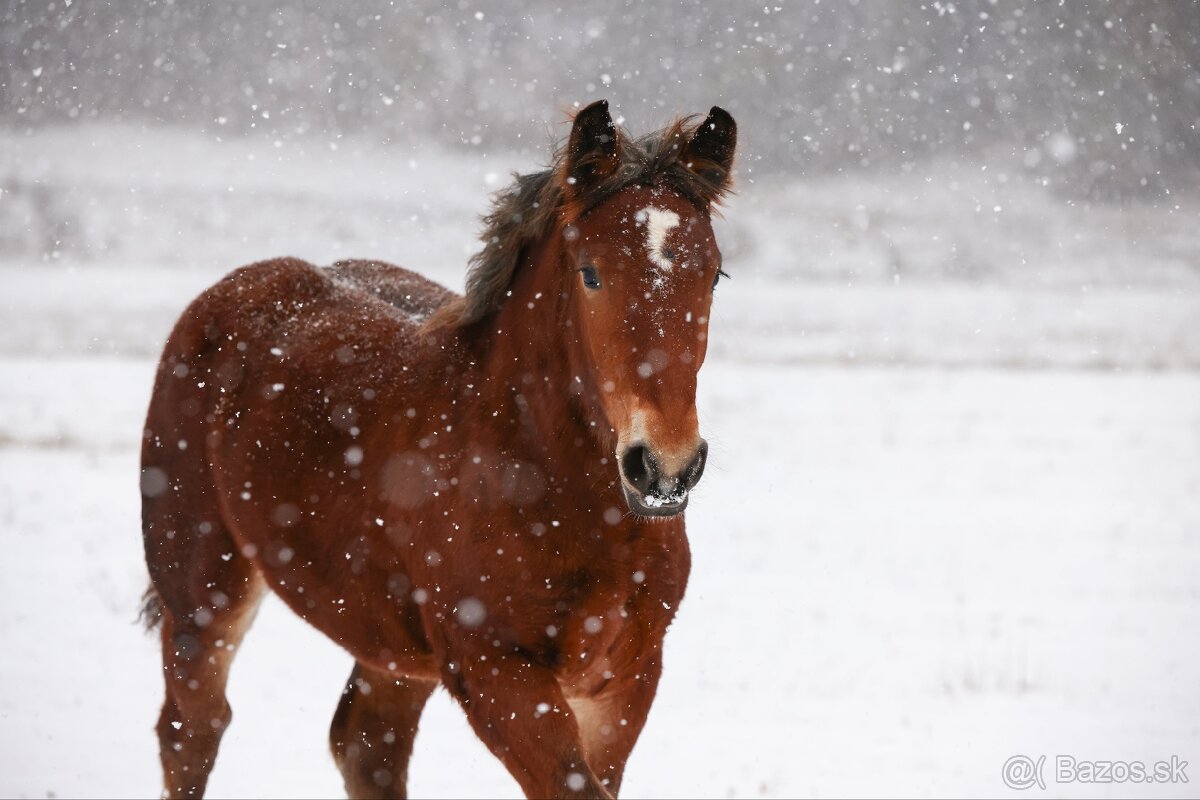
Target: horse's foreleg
[
  {"x": 519, "y": 711},
  {"x": 373, "y": 731},
  {"x": 610, "y": 722}
]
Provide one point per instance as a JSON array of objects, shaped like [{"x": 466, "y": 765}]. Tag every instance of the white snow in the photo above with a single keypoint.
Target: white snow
[
  {"x": 944, "y": 521},
  {"x": 658, "y": 501}
]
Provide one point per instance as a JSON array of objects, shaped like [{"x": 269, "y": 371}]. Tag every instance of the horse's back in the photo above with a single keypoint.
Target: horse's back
[
  {"x": 413, "y": 295},
  {"x": 367, "y": 290}
]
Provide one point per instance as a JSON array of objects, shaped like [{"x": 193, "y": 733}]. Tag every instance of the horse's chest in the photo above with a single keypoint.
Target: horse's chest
[
  {"x": 609, "y": 631},
  {"x": 591, "y": 606}
]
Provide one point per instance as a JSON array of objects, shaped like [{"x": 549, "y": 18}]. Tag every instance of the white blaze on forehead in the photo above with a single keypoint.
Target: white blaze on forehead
[{"x": 659, "y": 224}]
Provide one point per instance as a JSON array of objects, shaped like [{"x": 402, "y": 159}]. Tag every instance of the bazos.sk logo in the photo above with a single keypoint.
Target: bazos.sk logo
[{"x": 1025, "y": 772}]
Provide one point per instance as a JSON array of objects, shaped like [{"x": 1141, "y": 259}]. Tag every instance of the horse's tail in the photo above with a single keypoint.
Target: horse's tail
[{"x": 151, "y": 612}]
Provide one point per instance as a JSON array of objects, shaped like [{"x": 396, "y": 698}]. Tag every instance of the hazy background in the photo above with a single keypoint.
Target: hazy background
[
  {"x": 953, "y": 392},
  {"x": 1100, "y": 98}
]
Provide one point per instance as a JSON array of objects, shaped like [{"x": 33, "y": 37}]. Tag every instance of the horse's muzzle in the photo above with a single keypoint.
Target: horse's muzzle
[{"x": 649, "y": 490}]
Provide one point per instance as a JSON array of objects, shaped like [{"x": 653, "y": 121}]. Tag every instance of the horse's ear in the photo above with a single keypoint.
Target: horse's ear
[
  {"x": 593, "y": 151},
  {"x": 709, "y": 153}
]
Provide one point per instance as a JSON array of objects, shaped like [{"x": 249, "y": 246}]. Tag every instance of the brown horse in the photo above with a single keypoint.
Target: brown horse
[{"x": 481, "y": 491}]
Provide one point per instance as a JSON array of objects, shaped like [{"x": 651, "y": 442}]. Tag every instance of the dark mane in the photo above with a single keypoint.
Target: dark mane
[{"x": 525, "y": 212}]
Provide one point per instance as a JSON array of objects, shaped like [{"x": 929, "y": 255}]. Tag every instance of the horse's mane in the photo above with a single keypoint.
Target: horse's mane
[{"x": 526, "y": 211}]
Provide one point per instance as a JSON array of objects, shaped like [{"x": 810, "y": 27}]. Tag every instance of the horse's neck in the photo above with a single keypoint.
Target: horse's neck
[{"x": 527, "y": 361}]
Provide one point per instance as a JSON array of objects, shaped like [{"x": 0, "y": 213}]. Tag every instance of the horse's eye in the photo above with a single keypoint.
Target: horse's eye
[
  {"x": 717, "y": 278},
  {"x": 591, "y": 279}
]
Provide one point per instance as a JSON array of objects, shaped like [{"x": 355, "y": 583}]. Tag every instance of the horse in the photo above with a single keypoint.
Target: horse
[{"x": 481, "y": 491}]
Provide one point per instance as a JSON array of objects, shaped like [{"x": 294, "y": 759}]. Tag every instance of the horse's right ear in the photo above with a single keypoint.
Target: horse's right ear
[
  {"x": 593, "y": 151},
  {"x": 709, "y": 153}
]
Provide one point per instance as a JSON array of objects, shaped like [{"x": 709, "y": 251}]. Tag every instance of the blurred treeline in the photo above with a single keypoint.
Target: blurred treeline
[{"x": 1101, "y": 98}]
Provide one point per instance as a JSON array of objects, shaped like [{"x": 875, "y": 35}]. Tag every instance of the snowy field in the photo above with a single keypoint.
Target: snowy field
[{"x": 952, "y": 512}]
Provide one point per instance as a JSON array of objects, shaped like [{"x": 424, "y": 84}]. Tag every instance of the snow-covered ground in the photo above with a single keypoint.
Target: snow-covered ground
[{"x": 946, "y": 521}]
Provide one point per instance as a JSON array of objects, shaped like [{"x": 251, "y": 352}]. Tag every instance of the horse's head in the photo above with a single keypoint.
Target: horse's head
[{"x": 644, "y": 265}]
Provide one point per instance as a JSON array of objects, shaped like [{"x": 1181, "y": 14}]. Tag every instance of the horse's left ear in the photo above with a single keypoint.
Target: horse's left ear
[
  {"x": 709, "y": 153},
  {"x": 594, "y": 150}
]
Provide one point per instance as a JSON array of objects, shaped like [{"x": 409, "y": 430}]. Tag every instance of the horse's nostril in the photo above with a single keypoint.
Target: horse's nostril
[
  {"x": 639, "y": 467},
  {"x": 691, "y": 476}
]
